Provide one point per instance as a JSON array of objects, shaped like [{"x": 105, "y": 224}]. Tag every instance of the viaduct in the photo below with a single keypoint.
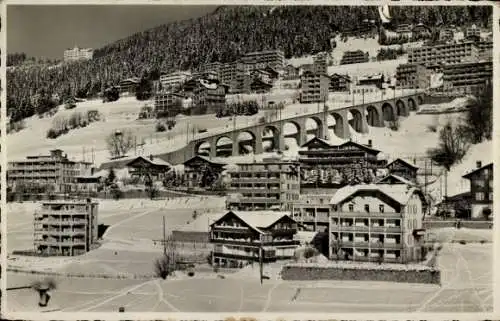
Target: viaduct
[{"x": 359, "y": 117}]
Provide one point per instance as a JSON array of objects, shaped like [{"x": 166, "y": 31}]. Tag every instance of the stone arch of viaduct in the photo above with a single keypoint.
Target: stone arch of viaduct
[{"x": 358, "y": 118}]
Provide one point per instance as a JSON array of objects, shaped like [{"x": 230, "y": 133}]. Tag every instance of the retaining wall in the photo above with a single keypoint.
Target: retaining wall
[{"x": 299, "y": 273}]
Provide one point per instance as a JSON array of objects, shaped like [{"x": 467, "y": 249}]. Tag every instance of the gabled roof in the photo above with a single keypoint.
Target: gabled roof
[
  {"x": 318, "y": 140},
  {"x": 400, "y": 193},
  {"x": 205, "y": 159},
  {"x": 257, "y": 220},
  {"x": 361, "y": 146},
  {"x": 404, "y": 163},
  {"x": 468, "y": 175},
  {"x": 155, "y": 161},
  {"x": 395, "y": 177},
  {"x": 346, "y": 77}
]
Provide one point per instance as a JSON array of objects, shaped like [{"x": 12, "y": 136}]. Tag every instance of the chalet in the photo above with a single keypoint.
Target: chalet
[
  {"x": 326, "y": 165},
  {"x": 402, "y": 168},
  {"x": 152, "y": 167},
  {"x": 201, "y": 172},
  {"x": 241, "y": 238},
  {"x": 129, "y": 85},
  {"x": 260, "y": 86},
  {"x": 372, "y": 80},
  {"x": 481, "y": 190},
  {"x": 209, "y": 96},
  {"x": 395, "y": 179},
  {"x": 339, "y": 83}
]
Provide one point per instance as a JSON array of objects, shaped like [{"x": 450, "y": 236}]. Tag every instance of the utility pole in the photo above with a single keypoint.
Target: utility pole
[{"x": 164, "y": 238}]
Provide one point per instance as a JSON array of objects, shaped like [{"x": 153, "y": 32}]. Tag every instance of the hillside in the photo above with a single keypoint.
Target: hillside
[{"x": 221, "y": 36}]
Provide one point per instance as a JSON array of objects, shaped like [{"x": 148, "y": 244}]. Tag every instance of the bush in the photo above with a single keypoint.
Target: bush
[
  {"x": 462, "y": 242},
  {"x": 190, "y": 273},
  {"x": 162, "y": 267},
  {"x": 394, "y": 125},
  {"x": 52, "y": 134},
  {"x": 160, "y": 127}
]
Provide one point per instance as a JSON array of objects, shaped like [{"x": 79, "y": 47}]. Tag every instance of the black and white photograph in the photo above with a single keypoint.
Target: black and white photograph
[{"x": 212, "y": 158}]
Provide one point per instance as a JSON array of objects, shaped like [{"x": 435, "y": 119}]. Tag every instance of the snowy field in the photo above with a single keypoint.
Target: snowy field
[
  {"x": 128, "y": 244},
  {"x": 466, "y": 287}
]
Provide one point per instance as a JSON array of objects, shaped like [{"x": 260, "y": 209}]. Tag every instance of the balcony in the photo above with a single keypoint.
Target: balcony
[
  {"x": 60, "y": 243},
  {"x": 60, "y": 233},
  {"x": 61, "y": 222},
  {"x": 366, "y": 229},
  {"x": 255, "y": 243},
  {"x": 372, "y": 245},
  {"x": 265, "y": 200},
  {"x": 365, "y": 215}
]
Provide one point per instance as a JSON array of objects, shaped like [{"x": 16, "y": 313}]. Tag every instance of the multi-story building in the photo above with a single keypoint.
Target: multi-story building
[
  {"x": 76, "y": 54},
  {"x": 333, "y": 166},
  {"x": 412, "y": 76},
  {"x": 481, "y": 189},
  {"x": 129, "y": 85},
  {"x": 262, "y": 59},
  {"x": 322, "y": 61},
  {"x": 472, "y": 32},
  {"x": 174, "y": 80},
  {"x": 314, "y": 87},
  {"x": 404, "y": 30},
  {"x": 241, "y": 83},
  {"x": 230, "y": 70},
  {"x": 485, "y": 49},
  {"x": 354, "y": 57},
  {"x": 241, "y": 238},
  {"x": 340, "y": 83},
  {"x": 168, "y": 104},
  {"x": 467, "y": 78},
  {"x": 66, "y": 227},
  {"x": 209, "y": 96},
  {"x": 271, "y": 184},
  {"x": 448, "y": 53},
  {"x": 377, "y": 222},
  {"x": 312, "y": 210},
  {"x": 213, "y": 67},
  {"x": 39, "y": 174}
]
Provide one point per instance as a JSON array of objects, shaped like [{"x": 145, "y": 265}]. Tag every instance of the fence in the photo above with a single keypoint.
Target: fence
[{"x": 455, "y": 223}]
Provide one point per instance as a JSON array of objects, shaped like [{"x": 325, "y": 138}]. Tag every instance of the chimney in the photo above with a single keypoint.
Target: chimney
[
  {"x": 369, "y": 143},
  {"x": 479, "y": 164}
]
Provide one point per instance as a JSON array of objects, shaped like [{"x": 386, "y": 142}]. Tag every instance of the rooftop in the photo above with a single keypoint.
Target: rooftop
[
  {"x": 398, "y": 192},
  {"x": 259, "y": 219}
]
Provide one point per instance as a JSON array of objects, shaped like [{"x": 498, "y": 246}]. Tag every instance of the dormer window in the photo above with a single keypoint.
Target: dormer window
[{"x": 351, "y": 207}]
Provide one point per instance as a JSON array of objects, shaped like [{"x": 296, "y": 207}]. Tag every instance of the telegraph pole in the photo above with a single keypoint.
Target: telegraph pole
[{"x": 164, "y": 238}]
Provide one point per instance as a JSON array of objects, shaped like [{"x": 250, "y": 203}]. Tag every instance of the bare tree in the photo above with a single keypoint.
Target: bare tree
[
  {"x": 451, "y": 150},
  {"x": 120, "y": 142}
]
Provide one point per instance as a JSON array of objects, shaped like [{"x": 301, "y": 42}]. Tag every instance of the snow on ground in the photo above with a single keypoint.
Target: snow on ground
[{"x": 457, "y": 104}]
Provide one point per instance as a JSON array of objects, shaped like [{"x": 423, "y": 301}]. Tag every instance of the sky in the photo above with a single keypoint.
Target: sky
[{"x": 46, "y": 31}]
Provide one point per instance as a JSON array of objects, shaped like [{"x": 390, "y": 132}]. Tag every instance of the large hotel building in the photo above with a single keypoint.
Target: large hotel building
[
  {"x": 377, "y": 222},
  {"x": 449, "y": 53},
  {"x": 270, "y": 185},
  {"x": 263, "y": 59},
  {"x": 75, "y": 54},
  {"x": 467, "y": 78},
  {"x": 54, "y": 170},
  {"x": 66, "y": 227}
]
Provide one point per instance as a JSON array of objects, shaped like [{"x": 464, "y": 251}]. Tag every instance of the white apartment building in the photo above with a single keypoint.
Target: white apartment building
[
  {"x": 75, "y": 54},
  {"x": 174, "y": 79}
]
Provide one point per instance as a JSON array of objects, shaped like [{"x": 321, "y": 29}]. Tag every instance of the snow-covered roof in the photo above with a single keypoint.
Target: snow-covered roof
[
  {"x": 207, "y": 84},
  {"x": 152, "y": 160},
  {"x": 259, "y": 219},
  {"x": 399, "y": 192},
  {"x": 402, "y": 161},
  {"x": 396, "y": 177}
]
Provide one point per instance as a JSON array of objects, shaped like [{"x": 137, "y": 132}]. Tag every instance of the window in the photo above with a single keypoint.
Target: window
[
  {"x": 480, "y": 196},
  {"x": 351, "y": 208},
  {"x": 479, "y": 183},
  {"x": 491, "y": 183},
  {"x": 367, "y": 208},
  {"x": 490, "y": 196}
]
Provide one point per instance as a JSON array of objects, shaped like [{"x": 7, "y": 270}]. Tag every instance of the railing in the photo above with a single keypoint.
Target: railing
[
  {"x": 62, "y": 233},
  {"x": 373, "y": 245},
  {"x": 253, "y": 243},
  {"x": 366, "y": 228},
  {"x": 61, "y": 222},
  {"x": 57, "y": 243},
  {"x": 365, "y": 215}
]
